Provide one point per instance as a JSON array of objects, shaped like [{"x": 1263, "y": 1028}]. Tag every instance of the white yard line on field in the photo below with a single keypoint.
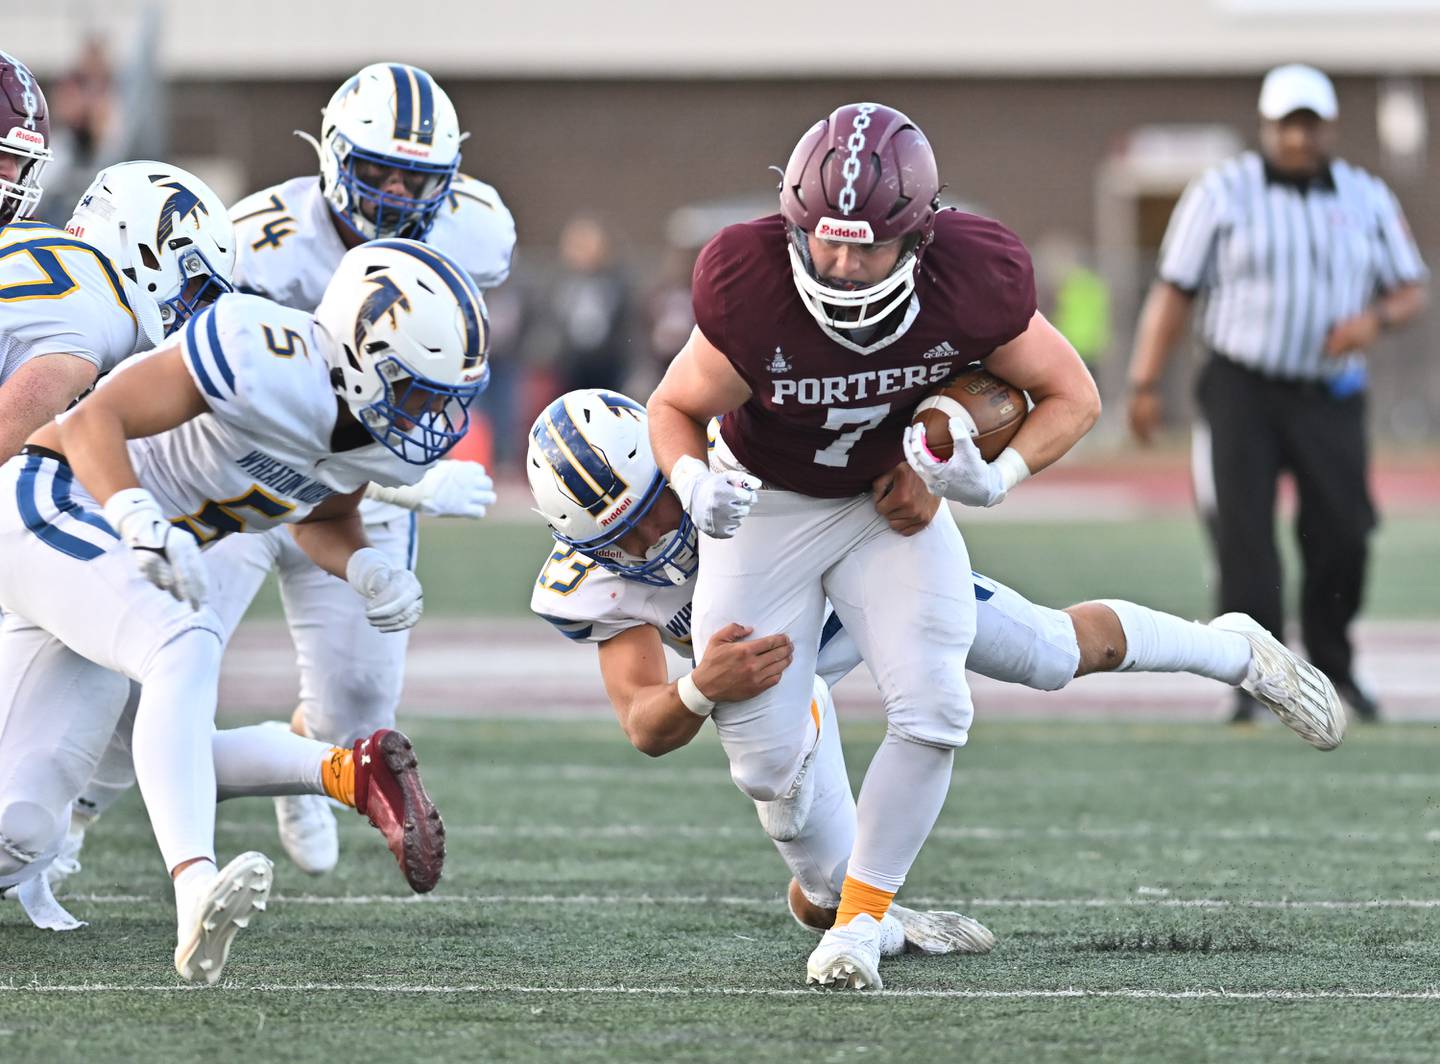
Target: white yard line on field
[
  {"x": 704, "y": 992},
  {"x": 733, "y": 901}
]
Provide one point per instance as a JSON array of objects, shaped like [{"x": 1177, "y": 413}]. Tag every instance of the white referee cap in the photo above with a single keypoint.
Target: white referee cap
[{"x": 1297, "y": 87}]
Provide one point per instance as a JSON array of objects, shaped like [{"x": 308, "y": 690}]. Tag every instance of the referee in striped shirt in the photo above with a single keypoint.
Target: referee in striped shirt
[{"x": 1297, "y": 261}]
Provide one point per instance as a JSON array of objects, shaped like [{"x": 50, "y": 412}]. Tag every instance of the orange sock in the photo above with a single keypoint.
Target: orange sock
[
  {"x": 337, "y": 773},
  {"x": 857, "y": 898}
]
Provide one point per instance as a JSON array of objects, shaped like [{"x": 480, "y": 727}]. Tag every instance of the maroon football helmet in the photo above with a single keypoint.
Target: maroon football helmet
[
  {"x": 866, "y": 174},
  {"x": 24, "y": 132}
]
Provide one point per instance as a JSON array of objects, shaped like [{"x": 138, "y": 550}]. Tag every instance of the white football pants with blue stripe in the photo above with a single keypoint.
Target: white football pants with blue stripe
[
  {"x": 77, "y": 608},
  {"x": 351, "y": 674}
]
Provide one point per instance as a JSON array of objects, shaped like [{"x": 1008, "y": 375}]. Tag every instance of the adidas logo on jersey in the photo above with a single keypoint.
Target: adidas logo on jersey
[{"x": 944, "y": 349}]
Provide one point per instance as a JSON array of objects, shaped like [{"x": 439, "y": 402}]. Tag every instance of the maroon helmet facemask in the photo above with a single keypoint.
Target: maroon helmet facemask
[
  {"x": 25, "y": 134},
  {"x": 864, "y": 175}
]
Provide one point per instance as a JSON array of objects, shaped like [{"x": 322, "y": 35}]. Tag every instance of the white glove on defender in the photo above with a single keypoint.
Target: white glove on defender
[
  {"x": 394, "y": 599},
  {"x": 448, "y": 489},
  {"x": 966, "y": 477},
  {"x": 168, "y": 557},
  {"x": 716, "y": 502}
]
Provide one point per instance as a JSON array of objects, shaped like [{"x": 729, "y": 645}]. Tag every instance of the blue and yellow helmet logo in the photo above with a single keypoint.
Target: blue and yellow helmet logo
[
  {"x": 385, "y": 299},
  {"x": 181, "y": 204}
]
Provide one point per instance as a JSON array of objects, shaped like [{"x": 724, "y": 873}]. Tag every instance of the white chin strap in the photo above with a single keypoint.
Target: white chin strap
[{"x": 825, "y": 303}]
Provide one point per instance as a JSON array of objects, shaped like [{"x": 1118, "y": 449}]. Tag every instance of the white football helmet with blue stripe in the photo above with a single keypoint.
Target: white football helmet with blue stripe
[
  {"x": 388, "y": 117},
  {"x": 411, "y": 345},
  {"x": 165, "y": 230},
  {"x": 594, "y": 478}
]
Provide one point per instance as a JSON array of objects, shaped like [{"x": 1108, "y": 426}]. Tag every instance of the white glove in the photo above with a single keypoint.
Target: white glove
[
  {"x": 716, "y": 502},
  {"x": 169, "y": 557},
  {"x": 394, "y": 599},
  {"x": 966, "y": 477},
  {"x": 448, "y": 489}
]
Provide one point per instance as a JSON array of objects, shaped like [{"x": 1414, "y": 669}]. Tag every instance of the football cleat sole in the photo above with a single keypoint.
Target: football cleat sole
[
  {"x": 843, "y": 973},
  {"x": 848, "y": 957},
  {"x": 241, "y": 890},
  {"x": 940, "y": 932},
  {"x": 1294, "y": 690},
  {"x": 417, "y": 836}
]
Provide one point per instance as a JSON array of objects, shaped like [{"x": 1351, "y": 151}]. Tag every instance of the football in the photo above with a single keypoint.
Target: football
[{"x": 992, "y": 408}]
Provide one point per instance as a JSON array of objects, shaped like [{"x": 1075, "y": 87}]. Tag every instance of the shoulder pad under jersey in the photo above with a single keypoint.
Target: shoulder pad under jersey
[
  {"x": 579, "y": 598},
  {"x": 59, "y": 295},
  {"x": 253, "y": 362},
  {"x": 476, "y": 229},
  {"x": 286, "y": 248}
]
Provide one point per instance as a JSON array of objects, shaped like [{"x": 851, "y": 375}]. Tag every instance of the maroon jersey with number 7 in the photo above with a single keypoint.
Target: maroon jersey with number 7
[{"x": 823, "y": 419}]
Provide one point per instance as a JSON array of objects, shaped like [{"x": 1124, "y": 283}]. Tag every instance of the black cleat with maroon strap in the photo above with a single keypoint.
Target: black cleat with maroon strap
[{"x": 388, "y": 790}]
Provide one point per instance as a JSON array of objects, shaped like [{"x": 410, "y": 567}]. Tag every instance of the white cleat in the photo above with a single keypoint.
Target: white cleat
[
  {"x": 240, "y": 890},
  {"x": 1294, "y": 690},
  {"x": 892, "y": 935},
  {"x": 939, "y": 931},
  {"x": 848, "y": 958},
  {"x": 308, "y": 833}
]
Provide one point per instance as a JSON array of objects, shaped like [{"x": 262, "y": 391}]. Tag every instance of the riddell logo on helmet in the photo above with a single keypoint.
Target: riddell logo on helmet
[
  {"x": 857, "y": 232},
  {"x": 29, "y": 136},
  {"x": 611, "y": 518},
  {"x": 405, "y": 149}
]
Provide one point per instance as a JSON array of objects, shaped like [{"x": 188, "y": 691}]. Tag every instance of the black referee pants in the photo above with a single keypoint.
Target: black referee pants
[{"x": 1259, "y": 428}]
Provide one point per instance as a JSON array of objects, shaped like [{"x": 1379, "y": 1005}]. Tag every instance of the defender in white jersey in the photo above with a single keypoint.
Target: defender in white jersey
[
  {"x": 389, "y": 152},
  {"x": 148, "y": 245},
  {"x": 623, "y": 574},
  {"x": 258, "y": 415}
]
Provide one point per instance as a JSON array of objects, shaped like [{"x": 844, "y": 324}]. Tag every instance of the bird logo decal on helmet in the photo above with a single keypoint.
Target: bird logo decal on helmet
[
  {"x": 386, "y": 299},
  {"x": 177, "y": 208}
]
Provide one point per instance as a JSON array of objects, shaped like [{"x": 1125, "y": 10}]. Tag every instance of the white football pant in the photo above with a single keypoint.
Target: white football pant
[
  {"x": 67, "y": 574},
  {"x": 351, "y": 674}
]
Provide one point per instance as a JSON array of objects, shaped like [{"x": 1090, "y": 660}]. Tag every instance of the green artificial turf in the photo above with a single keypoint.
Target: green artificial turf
[{"x": 1156, "y": 891}]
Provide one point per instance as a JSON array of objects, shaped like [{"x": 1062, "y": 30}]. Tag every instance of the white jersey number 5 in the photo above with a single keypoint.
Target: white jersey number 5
[{"x": 864, "y": 418}]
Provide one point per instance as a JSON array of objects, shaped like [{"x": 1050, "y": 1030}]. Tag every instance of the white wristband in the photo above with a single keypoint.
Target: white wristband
[
  {"x": 126, "y": 503},
  {"x": 695, "y": 701},
  {"x": 362, "y": 567},
  {"x": 1012, "y": 466}
]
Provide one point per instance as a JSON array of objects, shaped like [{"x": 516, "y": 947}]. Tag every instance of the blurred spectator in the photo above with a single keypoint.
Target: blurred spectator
[
  {"x": 1074, "y": 297},
  {"x": 511, "y": 319},
  {"x": 590, "y": 304},
  {"x": 669, "y": 318},
  {"x": 83, "y": 121}
]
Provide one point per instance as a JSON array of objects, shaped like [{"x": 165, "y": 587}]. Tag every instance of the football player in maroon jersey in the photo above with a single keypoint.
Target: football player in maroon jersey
[
  {"x": 818, "y": 331},
  {"x": 24, "y": 140}
]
